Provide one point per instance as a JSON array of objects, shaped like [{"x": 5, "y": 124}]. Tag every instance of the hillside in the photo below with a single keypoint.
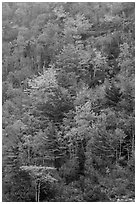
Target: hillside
[{"x": 68, "y": 102}]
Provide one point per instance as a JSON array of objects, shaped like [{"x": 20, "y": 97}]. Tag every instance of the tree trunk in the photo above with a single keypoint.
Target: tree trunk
[
  {"x": 28, "y": 155},
  {"x": 120, "y": 149},
  {"x": 133, "y": 145},
  {"x": 37, "y": 191},
  {"x": 116, "y": 156}
]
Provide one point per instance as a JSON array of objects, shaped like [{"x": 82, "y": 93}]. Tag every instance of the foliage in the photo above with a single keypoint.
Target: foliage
[{"x": 68, "y": 96}]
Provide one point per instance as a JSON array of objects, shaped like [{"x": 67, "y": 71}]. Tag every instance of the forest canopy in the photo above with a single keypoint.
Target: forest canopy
[{"x": 68, "y": 101}]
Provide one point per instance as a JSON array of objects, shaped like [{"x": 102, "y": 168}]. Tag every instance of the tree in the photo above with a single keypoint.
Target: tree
[{"x": 68, "y": 101}]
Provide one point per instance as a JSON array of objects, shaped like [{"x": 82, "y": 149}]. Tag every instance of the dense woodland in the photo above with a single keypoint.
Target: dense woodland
[{"x": 68, "y": 83}]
